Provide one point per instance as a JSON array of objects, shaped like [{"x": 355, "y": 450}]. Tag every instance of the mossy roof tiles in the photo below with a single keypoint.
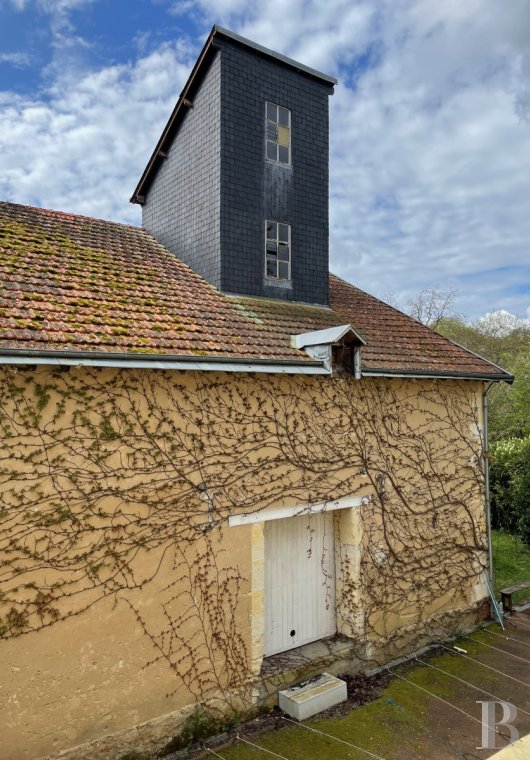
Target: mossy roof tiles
[{"x": 74, "y": 283}]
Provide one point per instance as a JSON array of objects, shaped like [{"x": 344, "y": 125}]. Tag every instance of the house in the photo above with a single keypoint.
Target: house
[{"x": 222, "y": 469}]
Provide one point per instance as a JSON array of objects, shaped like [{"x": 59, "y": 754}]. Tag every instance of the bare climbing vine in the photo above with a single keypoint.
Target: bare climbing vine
[{"x": 106, "y": 477}]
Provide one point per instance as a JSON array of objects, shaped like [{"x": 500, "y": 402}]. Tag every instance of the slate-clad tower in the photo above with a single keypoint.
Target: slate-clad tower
[{"x": 237, "y": 186}]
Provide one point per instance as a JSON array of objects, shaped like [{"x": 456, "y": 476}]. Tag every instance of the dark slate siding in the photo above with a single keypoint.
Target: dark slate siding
[
  {"x": 253, "y": 189},
  {"x": 182, "y": 207},
  {"x": 209, "y": 200}
]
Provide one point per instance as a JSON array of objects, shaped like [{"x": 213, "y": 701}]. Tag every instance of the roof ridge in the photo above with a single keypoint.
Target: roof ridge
[{"x": 281, "y": 57}]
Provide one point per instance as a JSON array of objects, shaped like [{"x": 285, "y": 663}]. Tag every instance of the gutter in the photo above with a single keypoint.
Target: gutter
[
  {"x": 423, "y": 374},
  {"x": 30, "y": 357}
]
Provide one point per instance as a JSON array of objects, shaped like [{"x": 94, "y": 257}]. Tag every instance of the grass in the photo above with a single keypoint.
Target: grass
[{"x": 511, "y": 562}]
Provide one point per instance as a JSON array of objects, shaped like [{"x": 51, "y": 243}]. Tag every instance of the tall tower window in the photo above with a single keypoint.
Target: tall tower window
[
  {"x": 278, "y": 133},
  {"x": 278, "y": 250}
]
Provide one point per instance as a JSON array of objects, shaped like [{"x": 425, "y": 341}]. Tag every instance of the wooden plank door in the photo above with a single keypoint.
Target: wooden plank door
[{"x": 299, "y": 581}]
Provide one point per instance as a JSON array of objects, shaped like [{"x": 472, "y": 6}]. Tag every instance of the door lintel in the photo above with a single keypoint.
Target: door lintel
[{"x": 298, "y": 510}]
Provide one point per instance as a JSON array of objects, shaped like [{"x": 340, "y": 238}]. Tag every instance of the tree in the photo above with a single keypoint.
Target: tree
[
  {"x": 503, "y": 339},
  {"x": 430, "y": 306},
  {"x": 510, "y": 486},
  {"x": 433, "y": 304}
]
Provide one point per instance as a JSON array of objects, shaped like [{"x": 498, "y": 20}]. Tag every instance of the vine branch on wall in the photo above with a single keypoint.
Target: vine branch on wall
[{"x": 105, "y": 475}]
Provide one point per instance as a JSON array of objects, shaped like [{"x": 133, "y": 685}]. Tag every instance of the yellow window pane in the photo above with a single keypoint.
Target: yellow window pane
[{"x": 283, "y": 136}]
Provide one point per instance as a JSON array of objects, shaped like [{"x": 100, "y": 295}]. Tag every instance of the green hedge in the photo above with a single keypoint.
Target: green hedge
[{"x": 510, "y": 486}]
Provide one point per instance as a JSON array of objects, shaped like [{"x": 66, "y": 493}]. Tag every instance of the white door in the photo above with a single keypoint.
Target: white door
[{"x": 299, "y": 581}]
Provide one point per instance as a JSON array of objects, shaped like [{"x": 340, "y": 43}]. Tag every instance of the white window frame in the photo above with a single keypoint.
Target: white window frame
[
  {"x": 277, "y": 123},
  {"x": 268, "y": 276}
]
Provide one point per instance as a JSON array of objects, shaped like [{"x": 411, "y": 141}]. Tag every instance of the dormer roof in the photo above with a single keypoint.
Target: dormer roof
[{"x": 331, "y": 336}]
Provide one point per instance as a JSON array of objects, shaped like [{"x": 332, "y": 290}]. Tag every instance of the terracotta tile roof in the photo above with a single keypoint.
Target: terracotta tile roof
[
  {"x": 74, "y": 283},
  {"x": 396, "y": 342}
]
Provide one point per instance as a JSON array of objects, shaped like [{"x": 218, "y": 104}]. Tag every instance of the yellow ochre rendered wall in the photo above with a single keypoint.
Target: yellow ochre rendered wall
[{"x": 127, "y": 599}]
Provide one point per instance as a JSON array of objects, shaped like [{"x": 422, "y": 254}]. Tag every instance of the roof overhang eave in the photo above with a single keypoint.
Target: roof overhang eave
[
  {"x": 154, "y": 160},
  {"x": 502, "y": 371},
  {"x": 187, "y": 363}
]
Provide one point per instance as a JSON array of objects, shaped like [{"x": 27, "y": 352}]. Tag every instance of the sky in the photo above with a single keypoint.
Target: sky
[{"x": 429, "y": 125}]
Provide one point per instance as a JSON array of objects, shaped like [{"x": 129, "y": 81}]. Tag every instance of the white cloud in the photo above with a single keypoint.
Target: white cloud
[
  {"x": 18, "y": 5},
  {"x": 20, "y": 60},
  {"x": 55, "y": 8},
  {"x": 82, "y": 149},
  {"x": 49, "y": 6},
  {"x": 67, "y": 47},
  {"x": 430, "y": 133},
  {"x": 429, "y": 160}
]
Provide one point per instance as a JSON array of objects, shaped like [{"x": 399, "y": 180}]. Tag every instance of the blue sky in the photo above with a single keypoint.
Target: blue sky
[{"x": 429, "y": 129}]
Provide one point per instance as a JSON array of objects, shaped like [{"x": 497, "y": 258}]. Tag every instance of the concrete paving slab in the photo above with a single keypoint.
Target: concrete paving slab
[{"x": 519, "y": 750}]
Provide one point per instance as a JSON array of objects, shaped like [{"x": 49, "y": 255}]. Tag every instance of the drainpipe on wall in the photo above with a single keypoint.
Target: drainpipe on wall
[
  {"x": 487, "y": 477},
  {"x": 357, "y": 362}
]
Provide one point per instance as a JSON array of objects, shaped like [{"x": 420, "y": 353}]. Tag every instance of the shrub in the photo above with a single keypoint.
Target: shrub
[{"x": 510, "y": 486}]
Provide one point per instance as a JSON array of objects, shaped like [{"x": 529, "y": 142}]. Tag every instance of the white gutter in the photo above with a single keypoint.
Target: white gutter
[
  {"x": 198, "y": 365},
  {"x": 435, "y": 376}
]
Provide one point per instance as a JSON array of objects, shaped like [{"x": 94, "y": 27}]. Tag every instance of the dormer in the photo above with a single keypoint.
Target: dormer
[
  {"x": 338, "y": 347},
  {"x": 237, "y": 186}
]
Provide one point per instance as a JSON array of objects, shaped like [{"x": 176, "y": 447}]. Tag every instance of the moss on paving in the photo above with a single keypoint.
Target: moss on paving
[
  {"x": 374, "y": 727},
  {"x": 400, "y": 724}
]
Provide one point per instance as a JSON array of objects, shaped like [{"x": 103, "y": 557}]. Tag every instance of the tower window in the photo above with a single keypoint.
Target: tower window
[
  {"x": 278, "y": 250},
  {"x": 278, "y": 134}
]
